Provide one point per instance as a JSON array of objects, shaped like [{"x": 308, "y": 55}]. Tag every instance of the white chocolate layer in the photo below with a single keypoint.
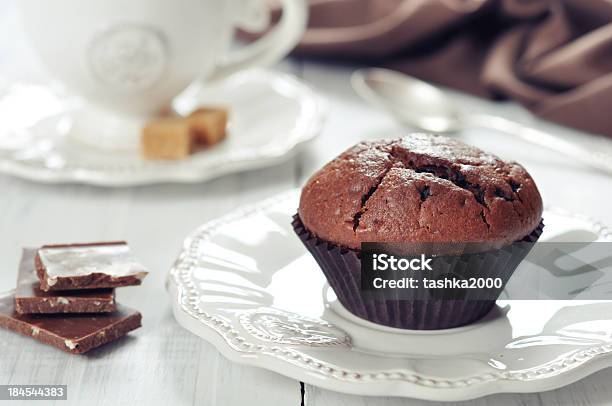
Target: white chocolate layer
[{"x": 115, "y": 260}]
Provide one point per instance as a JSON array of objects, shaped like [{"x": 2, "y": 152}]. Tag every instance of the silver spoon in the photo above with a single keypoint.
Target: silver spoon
[{"x": 418, "y": 104}]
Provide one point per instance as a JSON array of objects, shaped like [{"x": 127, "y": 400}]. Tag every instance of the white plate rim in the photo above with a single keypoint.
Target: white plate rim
[
  {"x": 398, "y": 383},
  {"x": 195, "y": 174}
]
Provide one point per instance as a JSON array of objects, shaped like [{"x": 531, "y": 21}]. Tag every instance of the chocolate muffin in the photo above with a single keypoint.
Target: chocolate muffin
[{"x": 420, "y": 189}]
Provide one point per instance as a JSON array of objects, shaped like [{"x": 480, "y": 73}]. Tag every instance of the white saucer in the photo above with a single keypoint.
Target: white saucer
[
  {"x": 271, "y": 115},
  {"x": 246, "y": 284}
]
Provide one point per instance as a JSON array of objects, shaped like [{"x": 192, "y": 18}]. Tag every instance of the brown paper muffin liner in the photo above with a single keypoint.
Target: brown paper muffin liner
[{"x": 342, "y": 268}]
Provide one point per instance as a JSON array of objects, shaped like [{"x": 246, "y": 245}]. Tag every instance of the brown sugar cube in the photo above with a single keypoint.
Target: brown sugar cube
[
  {"x": 209, "y": 125},
  {"x": 168, "y": 138}
]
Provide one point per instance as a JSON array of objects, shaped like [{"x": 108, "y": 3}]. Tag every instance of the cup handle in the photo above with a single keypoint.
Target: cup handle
[{"x": 273, "y": 46}]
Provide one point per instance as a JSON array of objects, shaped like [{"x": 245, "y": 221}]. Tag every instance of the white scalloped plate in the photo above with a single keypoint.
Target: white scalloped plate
[
  {"x": 246, "y": 284},
  {"x": 272, "y": 114}
]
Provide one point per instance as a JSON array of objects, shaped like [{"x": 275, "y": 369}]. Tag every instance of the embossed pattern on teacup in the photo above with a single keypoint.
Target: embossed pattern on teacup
[{"x": 129, "y": 56}]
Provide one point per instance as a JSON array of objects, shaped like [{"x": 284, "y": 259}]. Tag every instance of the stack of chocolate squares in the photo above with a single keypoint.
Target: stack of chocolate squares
[{"x": 65, "y": 295}]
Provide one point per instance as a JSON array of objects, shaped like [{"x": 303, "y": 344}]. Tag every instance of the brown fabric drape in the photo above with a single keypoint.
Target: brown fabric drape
[{"x": 553, "y": 56}]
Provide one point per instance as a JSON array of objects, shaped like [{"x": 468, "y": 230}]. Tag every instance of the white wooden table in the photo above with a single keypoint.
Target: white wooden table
[{"x": 162, "y": 364}]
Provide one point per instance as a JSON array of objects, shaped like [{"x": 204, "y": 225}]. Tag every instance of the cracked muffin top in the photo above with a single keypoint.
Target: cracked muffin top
[{"x": 420, "y": 188}]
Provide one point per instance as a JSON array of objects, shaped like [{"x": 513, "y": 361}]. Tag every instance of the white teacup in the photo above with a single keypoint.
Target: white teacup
[{"x": 130, "y": 58}]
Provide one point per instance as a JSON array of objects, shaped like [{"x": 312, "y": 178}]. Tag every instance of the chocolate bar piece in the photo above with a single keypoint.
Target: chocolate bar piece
[
  {"x": 74, "y": 333},
  {"x": 30, "y": 299},
  {"x": 87, "y": 266}
]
